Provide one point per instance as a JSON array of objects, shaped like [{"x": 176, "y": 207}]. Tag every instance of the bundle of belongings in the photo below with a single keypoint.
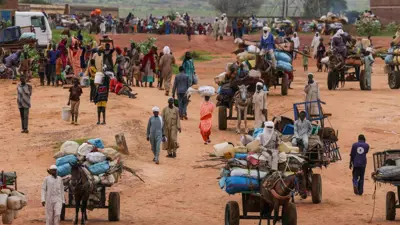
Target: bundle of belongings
[
  {"x": 11, "y": 201},
  {"x": 389, "y": 166},
  {"x": 102, "y": 166},
  {"x": 250, "y": 162},
  {"x": 5, "y": 72},
  {"x": 334, "y": 18}
]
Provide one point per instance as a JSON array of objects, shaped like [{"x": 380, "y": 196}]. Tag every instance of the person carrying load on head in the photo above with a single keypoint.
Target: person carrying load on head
[
  {"x": 270, "y": 141},
  {"x": 260, "y": 105},
  {"x": 53, "y": 196},
  {"x": 302, "y": 131},
  {"x": 339, "y": 44},
  {"x": 267, "y": 45}
]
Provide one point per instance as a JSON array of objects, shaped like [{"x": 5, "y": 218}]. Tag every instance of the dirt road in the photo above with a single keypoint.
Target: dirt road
[{"x": 181, "y": 191}]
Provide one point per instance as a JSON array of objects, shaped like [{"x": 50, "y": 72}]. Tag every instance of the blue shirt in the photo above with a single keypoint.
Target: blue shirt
[
  {"x": 267, "y": 43},
  {"x": 234, "y": 25},
  {"x": 53, "y": 56},
  {"x": 181, "y": 84},
  {"x": 358, "y": 154}
]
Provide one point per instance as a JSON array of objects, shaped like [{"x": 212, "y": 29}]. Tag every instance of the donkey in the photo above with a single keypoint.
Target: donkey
[
  {"x": 81, "y": 187},
  {"x": 277, "y": 192},
  {"x": 242, "y": 100}
]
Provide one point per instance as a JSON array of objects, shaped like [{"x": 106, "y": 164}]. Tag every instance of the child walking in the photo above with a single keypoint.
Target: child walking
[
  {"x": 91, "y": 74},
  {"x": 75, "y": 93},
  {"x": 59, "y": 70},
  {"x": 101, "y": 99},
  {"x": 305, "y": 58},
  {"x": 43, "y": 62}
]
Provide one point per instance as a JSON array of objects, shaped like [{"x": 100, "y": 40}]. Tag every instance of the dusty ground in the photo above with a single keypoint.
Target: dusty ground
[{"x": 179, "y": 191}]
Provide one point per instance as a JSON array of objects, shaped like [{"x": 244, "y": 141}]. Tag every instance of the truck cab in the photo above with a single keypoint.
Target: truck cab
[{"x": 40, "y": 23}]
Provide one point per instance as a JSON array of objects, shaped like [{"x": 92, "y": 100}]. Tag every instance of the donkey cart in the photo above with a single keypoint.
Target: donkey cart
[
  {"x": 383, "y": 159},
  {"x": 251, "y": 203},
  {"x": 8, "y": 180},
  {"x": 97, "y": 200}
]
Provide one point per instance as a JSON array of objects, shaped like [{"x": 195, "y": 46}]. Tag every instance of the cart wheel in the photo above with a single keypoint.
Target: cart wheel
[
  {"x": 285, "y": 85},
  {"x": 290, "y": 216},
  {"x": 363, "y": 85},
  {"x": 332, "y": 80},
  {"x": 222, "y": 118},
  {"x": 113, "y": 206},
  {"x": 390, "y": 205},
  {"x": 394, "y": 80},
  {"x": 62, "y": 215},
  {"x": 232, "y": 215},
  {"x": 316, "y": 188}
]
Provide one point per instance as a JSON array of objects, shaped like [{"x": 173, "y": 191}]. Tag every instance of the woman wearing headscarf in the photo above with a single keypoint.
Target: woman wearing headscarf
[
  {"x": 339, "y": 44},
  {"x": 149, "y": 67},
  {"x": 320, "y": 54},
  {"x": 206, "y": 111},
  {"x": 270, "y": 141},
  {"x": 188, "y": 65},
  {"x": 166, "y": 62},
  {"x": 75, "y": 53},
  {"x": 315, "y": 43}
]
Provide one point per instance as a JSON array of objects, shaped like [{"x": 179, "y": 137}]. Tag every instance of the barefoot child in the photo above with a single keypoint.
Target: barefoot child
[
  {"x": 101, "y": 99},
  {"x": 75, "y": 93},
  {"x": 59, "y": 70},
  {"x": 305, "y": 58}
]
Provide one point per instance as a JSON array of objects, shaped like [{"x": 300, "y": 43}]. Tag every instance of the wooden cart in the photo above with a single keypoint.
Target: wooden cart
[{"x": 8, "y": 180}]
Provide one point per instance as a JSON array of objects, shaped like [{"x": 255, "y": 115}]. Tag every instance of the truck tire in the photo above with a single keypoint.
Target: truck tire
[
  {"x": 285, "y": 85},
  {"x": 232, "y": 213},
  {"x": 316, "y": 188},
  {"x": 394, "y": 80},
  {"x": 222, "y": 118},
  {"x": 390, "y": 206},
  {"x": 113, "y": 206}
]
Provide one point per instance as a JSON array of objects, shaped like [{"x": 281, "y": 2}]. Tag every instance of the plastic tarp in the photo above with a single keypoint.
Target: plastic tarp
[
  {"x": 64, "y": 170},
  {"x": 235, "y": 185},
  {"x": 98, "y": 143},
  {"x": 99, "y": 168},
  {"x": 239, "y": 172}
]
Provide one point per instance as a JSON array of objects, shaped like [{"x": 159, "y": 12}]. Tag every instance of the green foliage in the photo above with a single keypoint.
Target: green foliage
[
  {"x": 34, "y": 55},
  {"x": 172, "y": 15},
  {"x": 200, "y": 56},
  {"x": 57, "y": 36},
  {"x": 369, "y": 28},
  {"x": 175, "y": 69},
  {"x": 145, "y": 46},
  {"x": 36, "y": 1},
  {"x": 317, "y": 8},
  {"x": 392, "y": 27}
]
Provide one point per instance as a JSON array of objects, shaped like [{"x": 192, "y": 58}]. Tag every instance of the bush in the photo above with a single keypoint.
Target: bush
[
  {"x": 368, "y": 28},
  {"x": 200, "y": 56},
  {"x": 392, "y": 27}
]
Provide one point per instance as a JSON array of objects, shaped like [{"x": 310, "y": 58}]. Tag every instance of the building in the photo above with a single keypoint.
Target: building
[
  {"x": 54, "y": 9},
  {"x": 386, "y": 10},
  {"x": 7, "y": 9}
]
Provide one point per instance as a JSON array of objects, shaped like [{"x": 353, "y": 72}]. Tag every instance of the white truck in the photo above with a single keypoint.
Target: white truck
[{"x": 40, "y": 23}]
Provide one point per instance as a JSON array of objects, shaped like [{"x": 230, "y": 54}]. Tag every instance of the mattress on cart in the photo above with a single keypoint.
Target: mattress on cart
[{"x": 389, "y": 173}]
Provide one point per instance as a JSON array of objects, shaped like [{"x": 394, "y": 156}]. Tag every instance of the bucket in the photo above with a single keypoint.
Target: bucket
[
  {"x": 98, "y": 79},
  {"x": 84, "y": 81},
  {"x": 66, "y": 113}
]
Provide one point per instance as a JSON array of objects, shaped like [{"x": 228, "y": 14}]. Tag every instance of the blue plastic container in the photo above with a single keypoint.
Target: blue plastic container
[
  {"x": 288, "y": 130},
  {"x": 241, "y": 155},
  {"x": 241, "y": 184},
  {"x": 68, "y": 159},
  {"x": 99, "y": 168},
  {"x": 64, "y": 170}
]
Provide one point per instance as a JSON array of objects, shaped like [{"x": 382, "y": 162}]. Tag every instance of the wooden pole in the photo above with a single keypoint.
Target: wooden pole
[{"x": 122, "y": 147}]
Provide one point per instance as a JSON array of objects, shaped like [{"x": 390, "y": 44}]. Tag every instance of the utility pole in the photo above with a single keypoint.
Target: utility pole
[{"x": 283, "y": 8}]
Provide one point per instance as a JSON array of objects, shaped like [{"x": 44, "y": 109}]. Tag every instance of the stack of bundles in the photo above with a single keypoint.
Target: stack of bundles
[
  {"x": 353, "y": 60},
  {"x": 28, "y": 35},
  {"x": 333, "y": 18},
  {"x": 11, "y": 202},
  {"x": 393, "y": 57},
  {"x": 284, "y": 61},
  {"x": 203, "y": 91},
  {"x": 102, "y": 165},
  {"x": 249, "y": 163}
]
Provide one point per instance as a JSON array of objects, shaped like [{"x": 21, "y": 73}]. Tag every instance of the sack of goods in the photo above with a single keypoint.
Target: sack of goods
[
  {"x": 253, "y": 49},
  {"x": 283, "y": 56},
  {"x": 10, "y": 203},
  {"x": 96, "y": 161},
  {"x": 255, "y": 73},
  {"x": 244, "y": 56},
  {"x": 206, "y": 91},
  {"x": 235, "y": 185},
  {"x": 28, "y": 35},
  {"x": 285, "y": 66}
]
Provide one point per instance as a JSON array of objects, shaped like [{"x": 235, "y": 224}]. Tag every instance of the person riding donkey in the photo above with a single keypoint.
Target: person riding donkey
[{"x": 267, "y": 45}]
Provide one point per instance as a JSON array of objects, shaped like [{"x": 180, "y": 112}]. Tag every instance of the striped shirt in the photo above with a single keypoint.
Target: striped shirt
[{"x": 24, "y": 95}]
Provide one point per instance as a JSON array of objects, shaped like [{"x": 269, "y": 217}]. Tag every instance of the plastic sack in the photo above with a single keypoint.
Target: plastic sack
[
  {"x": 388, "y": 59},
  {"x": 68, "y": 159},
  {"x": 5, "y": 191},
  {"x": 58, "y": 154},
  {"x": 69, "y": 148},
  {"x": 239, "y": 172},
  {"x": 98, "y": 143},
  {"x": 95, "y": 157},
  {"x": 253, "y": 146},
  {"x": 245, "y": 139},
  {"x": 28, "y": 35},
  {"x": 255, "y": 73},
  {"x": 8, "y": 217},
  {"x": 235, "y": 185},
  {"x": 24, "y": 201},
  {"x": 257, "y": 132},
  {"x": 206, "y": 91},
  {"x": 253, "y": 49},
  {"x": 64, "y": 170},
  {"x": 14, "y": 203},
  {"x": 3, "y": 203},
  {"x": 108, "y": 180},
  {"x": 240, "y": 149},
  {"x": 110, "y": 153},
  {"x": 84, "y": 149},
  {"x": 283, "y": 56},
  {"x": 96, "y": 179},
  {"x": 287, "y": 67},
  {"x": 99, "y": 168},
  {"x": 325, "y": 60}
]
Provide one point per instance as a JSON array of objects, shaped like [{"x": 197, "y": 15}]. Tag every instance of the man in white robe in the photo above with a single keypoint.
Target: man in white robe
[
  {"x": 260, "y": 105},
  {"x": 302, "y": 131},
  {"x": 315, "y": 43},
  {"x": 312, "y": 94},
  {"x": 53, "y": 196},
  {"x": 270, "y": 141}
]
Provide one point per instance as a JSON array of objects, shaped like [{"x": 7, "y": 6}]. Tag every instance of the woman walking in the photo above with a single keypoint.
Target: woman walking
[
  {"x": 149, "y": 67},
  {"x": 188, "y": 65},
  {"x": 206, "y": 110}
]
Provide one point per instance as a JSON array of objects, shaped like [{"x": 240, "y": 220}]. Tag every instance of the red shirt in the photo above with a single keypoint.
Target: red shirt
[
  {"x": 113, "y": 83},
  {"x": 118, "y": 87}
]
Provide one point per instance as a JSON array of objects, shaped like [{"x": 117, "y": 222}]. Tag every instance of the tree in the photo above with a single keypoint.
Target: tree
[
  {"x": 237, "y": 7},
  {"x": 317, "y": 8}
]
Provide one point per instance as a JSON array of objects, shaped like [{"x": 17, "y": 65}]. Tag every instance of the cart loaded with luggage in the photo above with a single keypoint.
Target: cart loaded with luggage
[
  {"x": 11, "y": 200},
  {"x": 249, "y": 168}
]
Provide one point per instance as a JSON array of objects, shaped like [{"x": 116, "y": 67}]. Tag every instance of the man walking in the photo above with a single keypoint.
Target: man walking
[
  {"x": 260, "y": 105},
  {"x": 312, "y": 95},
  {"x": 171, "y": 127},
  {"x": 181, "y": 85},
  {"x": 155, "y": 133},
  {"x": 75, "y": 93},
  {"x": 302, "y": 131},
  {"x": 358, "y": 162},
  {"x": 166, "y": 63},
  {"x": 368, "y": 62},
  {"x": 53, "y": 196},
  {"x": 24, "y": 92}
]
